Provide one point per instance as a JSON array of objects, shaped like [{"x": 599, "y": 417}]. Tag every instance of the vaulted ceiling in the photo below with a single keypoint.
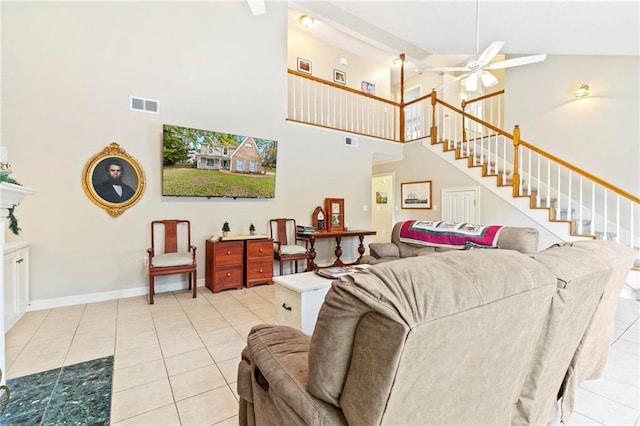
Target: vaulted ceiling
[{"x": 443, "y": 33}]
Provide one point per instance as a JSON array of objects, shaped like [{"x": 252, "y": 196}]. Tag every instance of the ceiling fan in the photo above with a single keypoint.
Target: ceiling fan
[{"x": 477, "y": 70}]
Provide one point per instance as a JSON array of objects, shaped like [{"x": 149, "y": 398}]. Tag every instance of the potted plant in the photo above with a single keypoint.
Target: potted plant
[
  {"x": 225, "y": 229},
  {"x": 252, "y": 229}
]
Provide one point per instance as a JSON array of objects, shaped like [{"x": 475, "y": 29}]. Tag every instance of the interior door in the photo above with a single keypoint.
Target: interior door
[{"x": 461, "y": 204}]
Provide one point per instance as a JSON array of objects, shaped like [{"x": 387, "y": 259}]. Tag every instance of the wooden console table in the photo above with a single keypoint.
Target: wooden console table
[{"x": 338, "y": 235}]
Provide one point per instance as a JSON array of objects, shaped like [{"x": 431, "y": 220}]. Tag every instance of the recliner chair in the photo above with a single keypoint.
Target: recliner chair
[{"x": 442, "y": 339}]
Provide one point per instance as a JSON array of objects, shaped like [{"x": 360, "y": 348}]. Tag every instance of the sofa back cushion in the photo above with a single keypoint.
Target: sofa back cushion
[{"x": 395, "y": 339}]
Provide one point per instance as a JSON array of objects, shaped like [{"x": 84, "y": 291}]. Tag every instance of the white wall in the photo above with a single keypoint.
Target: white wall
[
  {"x": 68, "y": 70},
  {"x": 325, "y": 58},
  {"x": 600, "y": 133}
]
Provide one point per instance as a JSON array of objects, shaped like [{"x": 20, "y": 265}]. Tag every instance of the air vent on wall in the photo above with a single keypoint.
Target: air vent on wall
[{"x": 144, "y": 105}]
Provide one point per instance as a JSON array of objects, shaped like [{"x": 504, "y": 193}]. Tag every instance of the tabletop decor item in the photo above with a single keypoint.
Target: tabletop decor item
[{"x": 334, "y": 208}]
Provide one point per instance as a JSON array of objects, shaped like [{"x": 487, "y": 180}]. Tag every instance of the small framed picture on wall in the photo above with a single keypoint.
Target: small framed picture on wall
[
  {"x": 304, "y": 66},
  {"x": 339, "y": 77}
]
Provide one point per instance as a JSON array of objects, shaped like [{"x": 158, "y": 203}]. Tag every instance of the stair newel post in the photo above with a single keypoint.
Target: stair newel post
[
  {"x": 516, "y": 160},
  {"x": 434, "y": 128},
  {"x": 402, "y": 124},
  {"x": 463, "y": 105}
]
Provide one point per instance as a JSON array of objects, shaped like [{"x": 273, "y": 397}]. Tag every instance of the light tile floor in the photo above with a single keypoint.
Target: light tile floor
[{"x": 175, "y": 362}]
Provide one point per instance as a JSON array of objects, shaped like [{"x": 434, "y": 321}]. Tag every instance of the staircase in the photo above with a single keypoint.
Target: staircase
[{"x": 570, "y": 203}]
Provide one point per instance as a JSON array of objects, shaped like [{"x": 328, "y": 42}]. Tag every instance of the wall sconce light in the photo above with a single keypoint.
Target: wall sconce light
[
  {"x": 306, "y": 21},
  {"x": 582, "y": 91}
]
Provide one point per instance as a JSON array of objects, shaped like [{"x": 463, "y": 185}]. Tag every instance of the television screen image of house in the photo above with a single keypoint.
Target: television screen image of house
[{"x": 206, "y": 163}]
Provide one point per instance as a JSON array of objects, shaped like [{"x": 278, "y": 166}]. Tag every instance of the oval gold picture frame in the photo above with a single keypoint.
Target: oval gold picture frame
[{"x": 128, "y": 175}]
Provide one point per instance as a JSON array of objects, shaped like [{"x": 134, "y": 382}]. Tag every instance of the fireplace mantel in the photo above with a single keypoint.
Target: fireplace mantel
[{"x": 11, "y": 195}]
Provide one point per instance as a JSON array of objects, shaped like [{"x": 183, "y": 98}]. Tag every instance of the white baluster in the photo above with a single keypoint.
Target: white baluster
[
  {"x": 569, "y": 215},
  {"x": 604, "y": 232},
  {"x": 580, "y": 206},
  {"x": 558, "y": 203},
  {"x": 593, "y": 208}
]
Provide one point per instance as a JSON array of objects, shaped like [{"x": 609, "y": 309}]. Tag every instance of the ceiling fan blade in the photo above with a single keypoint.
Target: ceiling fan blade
[
  {"x": 523, "y": 60},
  {"x": 447, "y": 69},
  {"x": 490, "y": 52},
  {"x": 460, "y": 77}
]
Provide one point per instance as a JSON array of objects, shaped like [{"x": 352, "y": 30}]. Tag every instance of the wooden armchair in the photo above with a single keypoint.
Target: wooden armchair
[
  {"x": 171, "y": 252},
  {"x": 285, "y": 243}
]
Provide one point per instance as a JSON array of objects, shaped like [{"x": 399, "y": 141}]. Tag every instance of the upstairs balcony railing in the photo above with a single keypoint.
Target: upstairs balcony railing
[
  {"x": 322, "y": 103},
  {"x": 591, "y": 206}
]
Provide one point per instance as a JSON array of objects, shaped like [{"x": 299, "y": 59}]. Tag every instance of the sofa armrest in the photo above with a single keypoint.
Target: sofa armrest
[
  {"x": 379, "y": 250},
  {"x": 278, "y": 356}
]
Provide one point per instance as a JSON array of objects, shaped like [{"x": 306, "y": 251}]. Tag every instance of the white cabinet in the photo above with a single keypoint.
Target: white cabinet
[
  {"x": 298, "y": 298},
  {"x": 16, "y": 282}
]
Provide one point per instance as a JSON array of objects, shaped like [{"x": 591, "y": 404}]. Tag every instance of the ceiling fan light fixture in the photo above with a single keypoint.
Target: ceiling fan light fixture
[
  {"x": 488, "y": 79},
  {"x": 397, "y": 61},
  {"x": 582, "y": 91},
  {"x": 306, "y": 21},
  {"x": 470, "y": 83}
]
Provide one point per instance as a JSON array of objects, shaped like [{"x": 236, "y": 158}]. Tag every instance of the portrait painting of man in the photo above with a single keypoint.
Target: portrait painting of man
[{"x": 114, "y": 180}]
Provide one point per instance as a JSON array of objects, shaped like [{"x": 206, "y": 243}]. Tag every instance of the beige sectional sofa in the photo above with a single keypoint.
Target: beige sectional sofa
[
  {"x": 522, "y": 239},
  {"x": 462, "y": 337}
]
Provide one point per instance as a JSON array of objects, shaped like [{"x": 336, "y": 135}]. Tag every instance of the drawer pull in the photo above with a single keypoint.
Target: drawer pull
[
  {"x": 260, "y": 250},
  {"x": 288, "y": 308},
  {"x": 228, "y": 251},
  {"x": 228, "y": 274},
  {"x": 260, "y": 270},
  {"x": 22, "y": 260}
]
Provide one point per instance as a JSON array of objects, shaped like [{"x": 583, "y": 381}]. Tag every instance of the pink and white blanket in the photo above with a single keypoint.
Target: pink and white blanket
[{"x": 456, "y": 235}]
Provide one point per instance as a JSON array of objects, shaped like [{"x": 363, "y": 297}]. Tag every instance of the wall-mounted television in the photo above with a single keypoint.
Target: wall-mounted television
[{"x": 205, "y": 163}]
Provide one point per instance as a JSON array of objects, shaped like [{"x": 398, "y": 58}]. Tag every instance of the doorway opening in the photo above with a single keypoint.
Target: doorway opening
[{"x": 382, "y": 210}]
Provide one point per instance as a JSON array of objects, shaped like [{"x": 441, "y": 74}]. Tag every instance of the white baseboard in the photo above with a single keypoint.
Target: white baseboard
[{"x": 58, "y": 302}]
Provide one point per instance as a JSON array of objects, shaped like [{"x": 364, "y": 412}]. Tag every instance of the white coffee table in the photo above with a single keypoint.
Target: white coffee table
[{"x": 298, "y": 298}]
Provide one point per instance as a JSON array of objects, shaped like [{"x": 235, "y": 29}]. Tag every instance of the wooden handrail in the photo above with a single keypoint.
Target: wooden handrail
[
  {"x": 481, "y": 98},
  {"x": 580, "y": 171},
  {"x": 477, "y": 120}
]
